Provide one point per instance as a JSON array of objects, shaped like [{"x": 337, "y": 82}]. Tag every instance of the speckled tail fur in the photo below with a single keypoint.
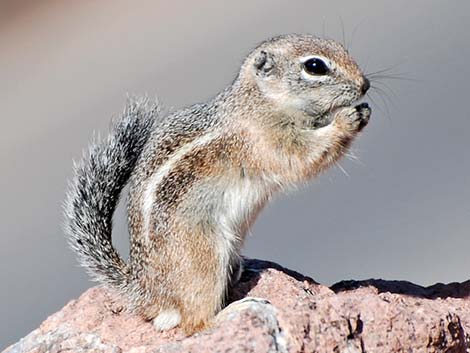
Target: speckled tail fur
[{"x": 94, "y": 192}]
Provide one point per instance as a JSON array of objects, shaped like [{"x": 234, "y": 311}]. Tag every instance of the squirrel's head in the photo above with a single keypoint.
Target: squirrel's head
[{"x": 305, "y": 73}]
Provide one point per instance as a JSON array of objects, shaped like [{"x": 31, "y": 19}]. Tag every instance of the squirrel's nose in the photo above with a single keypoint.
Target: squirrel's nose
[{"x": 365, "y": 86}]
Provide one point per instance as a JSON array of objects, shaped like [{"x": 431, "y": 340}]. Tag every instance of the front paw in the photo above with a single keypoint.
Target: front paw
[
  {"x": 356, "y": 117},
  {"x": 364, "y": 111}
]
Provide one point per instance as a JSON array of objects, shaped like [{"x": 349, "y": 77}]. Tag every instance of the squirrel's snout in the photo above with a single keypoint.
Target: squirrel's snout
[{"x": 365, "y": 86}]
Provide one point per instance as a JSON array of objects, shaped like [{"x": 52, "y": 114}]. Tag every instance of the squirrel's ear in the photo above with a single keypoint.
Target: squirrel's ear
[{"x": 264, "y": 63}]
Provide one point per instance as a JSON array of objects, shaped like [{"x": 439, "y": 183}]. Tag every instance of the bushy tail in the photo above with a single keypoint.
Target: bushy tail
[{"x": 95, "y": 189}]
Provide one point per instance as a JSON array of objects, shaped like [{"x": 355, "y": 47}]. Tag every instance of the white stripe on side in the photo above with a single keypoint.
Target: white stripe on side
[{"x": 149, "y": 196}]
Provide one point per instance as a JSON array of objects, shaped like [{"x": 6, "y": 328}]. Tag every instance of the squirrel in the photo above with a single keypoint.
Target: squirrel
[{"x": 198, "y": 177}]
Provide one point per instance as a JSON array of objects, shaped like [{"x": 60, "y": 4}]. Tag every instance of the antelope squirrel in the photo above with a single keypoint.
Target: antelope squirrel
[{"x": 200, "y": 176}]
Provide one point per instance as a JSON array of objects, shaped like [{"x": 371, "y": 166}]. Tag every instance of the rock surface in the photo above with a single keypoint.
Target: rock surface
[{"x": 295, "y": 314}]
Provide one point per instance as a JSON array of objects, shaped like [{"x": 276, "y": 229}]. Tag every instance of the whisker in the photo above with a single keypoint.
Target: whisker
[
  {"x": 366, "y": 64},
  {"x": 392, "y": 77},
  {"x": 385, "y": 96},
  {"x": 342, "y": 169},
  {"x": 387, "y": 69},
  {"x": 385, "y": 112},
  {"x": 385, "y": 86},
  {"x": 352, "y": 157},
  {"x": 355, "y": 30},
  {"x": 343, "y": 33}
]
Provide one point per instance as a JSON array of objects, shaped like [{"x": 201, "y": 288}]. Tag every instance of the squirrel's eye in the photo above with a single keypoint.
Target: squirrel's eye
[{"x": 316, "y": 66}]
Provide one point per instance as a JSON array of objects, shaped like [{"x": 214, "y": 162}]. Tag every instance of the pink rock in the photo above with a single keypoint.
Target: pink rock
[{"x": 296, "y": 315}]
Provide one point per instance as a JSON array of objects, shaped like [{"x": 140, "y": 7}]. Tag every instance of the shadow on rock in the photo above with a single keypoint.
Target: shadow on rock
[
  {"x": 438, "y": 290},
  {"x": 252, "y": 270}
]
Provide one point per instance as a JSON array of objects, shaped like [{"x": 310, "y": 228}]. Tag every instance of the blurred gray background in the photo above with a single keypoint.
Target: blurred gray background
[{"x": 402, "y": 210}]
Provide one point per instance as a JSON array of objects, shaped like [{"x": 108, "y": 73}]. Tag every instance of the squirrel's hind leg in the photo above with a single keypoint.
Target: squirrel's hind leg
[
  {"x": 189, "y": 286},
  {"x": 205, "y": 288}
]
